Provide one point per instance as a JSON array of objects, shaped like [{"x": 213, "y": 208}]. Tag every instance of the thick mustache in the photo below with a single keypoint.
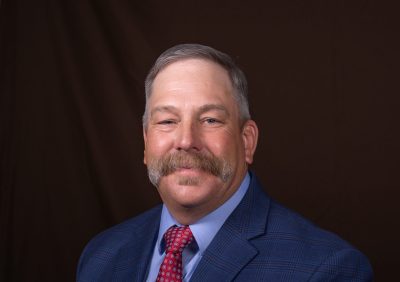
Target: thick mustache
[{"x": 190, "y": 160}]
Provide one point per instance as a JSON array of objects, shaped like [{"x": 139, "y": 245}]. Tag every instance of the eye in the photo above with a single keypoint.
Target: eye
[
  {"x": 211, "y": 121},
  {"x": 166, "y": 122}
]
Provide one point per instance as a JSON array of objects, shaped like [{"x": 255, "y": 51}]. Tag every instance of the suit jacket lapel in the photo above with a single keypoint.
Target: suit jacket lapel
[
  {"x": 134, "y": 258},
  {"x": 231, "y": 250}
]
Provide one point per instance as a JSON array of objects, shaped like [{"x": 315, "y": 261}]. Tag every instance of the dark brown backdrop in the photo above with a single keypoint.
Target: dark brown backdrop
[{"x": 324, "y": 90}]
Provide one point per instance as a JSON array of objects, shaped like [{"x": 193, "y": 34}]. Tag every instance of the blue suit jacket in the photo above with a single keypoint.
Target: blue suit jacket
[{"x": 260, "y": 241}]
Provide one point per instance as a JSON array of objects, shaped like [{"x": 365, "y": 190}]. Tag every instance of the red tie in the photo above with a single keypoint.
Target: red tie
[{"x": 176, "y": 238}]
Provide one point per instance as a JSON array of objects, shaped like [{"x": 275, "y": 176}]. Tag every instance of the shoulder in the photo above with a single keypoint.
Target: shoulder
[
  {"x": 123, "y": 232},
  {"x": 288, "y": 241},
  {"x": 114, "y": 244},
  {"x": 286, "y": 226},
  {"x": 309, "y": 249},
  {"x": 283, "y": 221}
]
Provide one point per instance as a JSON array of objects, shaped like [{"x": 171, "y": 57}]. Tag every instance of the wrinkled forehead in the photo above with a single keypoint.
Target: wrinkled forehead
[
  {"x": 194, "y": 66},
  {"x": 194, "y": 76},
  {"x": 192, "y": 81}
]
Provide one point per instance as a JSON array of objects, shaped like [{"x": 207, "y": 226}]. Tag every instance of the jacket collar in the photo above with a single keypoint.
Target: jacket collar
[{"x": 231, "y": 250}]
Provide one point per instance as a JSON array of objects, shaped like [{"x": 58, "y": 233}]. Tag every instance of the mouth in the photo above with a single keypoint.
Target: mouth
[
  {"x": 188, "y": 170},
  {"x": 186, "y": 167}
]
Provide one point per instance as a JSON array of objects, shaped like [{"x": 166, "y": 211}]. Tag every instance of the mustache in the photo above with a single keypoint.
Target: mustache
[
  {"x": 205, "y": 161},
  {"x": 190, "y": 160}
]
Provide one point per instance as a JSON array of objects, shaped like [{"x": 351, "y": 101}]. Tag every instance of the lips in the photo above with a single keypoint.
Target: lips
[
  {"x": 189, "y": 165},
  {"x": 185, "y": 167}
]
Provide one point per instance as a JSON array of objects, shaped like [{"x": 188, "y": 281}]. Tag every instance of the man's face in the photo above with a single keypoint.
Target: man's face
[{"x": 196, "y": 150}]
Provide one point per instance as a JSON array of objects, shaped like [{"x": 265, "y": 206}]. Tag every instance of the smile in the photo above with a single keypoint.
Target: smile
[{"x": 188, "y": 170}]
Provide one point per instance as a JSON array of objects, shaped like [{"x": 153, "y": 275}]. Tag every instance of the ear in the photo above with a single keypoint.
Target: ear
[
  {"x": 145, "y": 145},
  {"x": 250, "y": 139}
]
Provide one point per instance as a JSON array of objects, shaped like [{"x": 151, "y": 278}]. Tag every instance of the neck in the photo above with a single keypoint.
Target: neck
[{"x": 188, "y": 216}]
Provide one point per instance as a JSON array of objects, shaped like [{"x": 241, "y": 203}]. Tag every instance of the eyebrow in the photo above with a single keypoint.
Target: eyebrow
[
  {"x": 202, "y": 109},
  {"x": 211, "y": 107},
  {"x": 163, "y": 109}
]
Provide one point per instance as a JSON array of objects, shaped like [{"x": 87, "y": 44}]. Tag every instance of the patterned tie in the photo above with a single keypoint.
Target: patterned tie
[{"x": 176, "y": 238}]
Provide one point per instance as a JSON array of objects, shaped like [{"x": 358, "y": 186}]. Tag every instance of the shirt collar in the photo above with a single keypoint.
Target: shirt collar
[{"x": 205, "y": 229}]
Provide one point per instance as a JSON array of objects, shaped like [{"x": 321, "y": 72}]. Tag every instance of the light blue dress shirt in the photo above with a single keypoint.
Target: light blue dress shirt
[{"x": 204, "y": 230}]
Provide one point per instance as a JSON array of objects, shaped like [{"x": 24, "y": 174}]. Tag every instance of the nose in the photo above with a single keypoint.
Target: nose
[{"x": 188, "y": 137}]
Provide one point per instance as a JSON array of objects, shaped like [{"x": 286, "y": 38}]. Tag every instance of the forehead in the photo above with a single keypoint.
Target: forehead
[{"x": 192, "y": 80}]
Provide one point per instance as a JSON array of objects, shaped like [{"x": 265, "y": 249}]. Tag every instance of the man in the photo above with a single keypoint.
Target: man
[{"x": 216, "y": 223}]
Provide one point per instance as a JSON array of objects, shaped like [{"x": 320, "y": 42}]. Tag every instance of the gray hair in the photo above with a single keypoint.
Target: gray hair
[{"x": 193, "y": 51}]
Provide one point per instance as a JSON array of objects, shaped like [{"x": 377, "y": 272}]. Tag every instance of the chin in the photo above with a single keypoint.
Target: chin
[
  {"x": 187, "y": 191},
  {"x": 189, "y": 177}
]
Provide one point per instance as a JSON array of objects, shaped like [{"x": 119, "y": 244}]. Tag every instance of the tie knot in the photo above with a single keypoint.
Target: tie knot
[{"x": 177, "y": 238}]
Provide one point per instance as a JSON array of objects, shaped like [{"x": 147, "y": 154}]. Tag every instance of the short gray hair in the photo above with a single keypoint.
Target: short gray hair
[{"x": 192, "y": 51}]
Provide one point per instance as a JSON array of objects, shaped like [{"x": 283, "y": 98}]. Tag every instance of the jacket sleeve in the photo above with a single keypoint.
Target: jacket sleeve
[{"x": 345, "y": 265}]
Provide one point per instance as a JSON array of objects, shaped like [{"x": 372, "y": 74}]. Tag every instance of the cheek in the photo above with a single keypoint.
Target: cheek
[
  {"x": 222, "y": 145},
  {"x": 157, "y": 144}
]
